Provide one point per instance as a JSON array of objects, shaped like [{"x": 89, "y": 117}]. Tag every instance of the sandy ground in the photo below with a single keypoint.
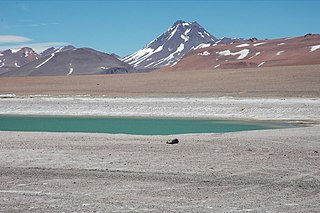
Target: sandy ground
[
  {"x": 302, "y": 109},
  {"x": 256, "y": 171},
  {"x": 298, "y": 81}
]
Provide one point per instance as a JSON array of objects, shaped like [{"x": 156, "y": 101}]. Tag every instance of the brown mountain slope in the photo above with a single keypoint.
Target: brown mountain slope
[
  {"x": 285, "y": 81},
  {"x": 77, "y": 61},
  {"x": 304, "y": 50}
]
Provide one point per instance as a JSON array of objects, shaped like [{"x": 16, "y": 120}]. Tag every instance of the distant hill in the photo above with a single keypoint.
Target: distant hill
[
  {"x": 184, "y": 46},
  {"x": 51, "y": 50},
  {"x": 72, "y": 61},
  {"x": 303, "y": 50},
  {"x": 13, "y": 59}
]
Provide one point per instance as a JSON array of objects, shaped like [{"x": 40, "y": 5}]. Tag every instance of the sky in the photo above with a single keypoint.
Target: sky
[{"x": 124, "y": 26}]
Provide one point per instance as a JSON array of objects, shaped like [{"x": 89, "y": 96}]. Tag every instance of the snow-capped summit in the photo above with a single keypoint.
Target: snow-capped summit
[
  {"x": 171, "y": 46},
  {"x": 12, "y": 59}
]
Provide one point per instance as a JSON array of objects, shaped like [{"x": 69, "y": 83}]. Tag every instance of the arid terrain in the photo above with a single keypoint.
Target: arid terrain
[
  {"x": 303, "y": 50},
  {"x": 161, "y": 106},
  {"x": 296, "y": 81},
  {"x": 255, "y": 171},
  {"x": 251, "y": 171}
]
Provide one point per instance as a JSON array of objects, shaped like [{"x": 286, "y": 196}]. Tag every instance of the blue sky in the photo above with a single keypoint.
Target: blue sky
[{"x": 124, "y": 26}]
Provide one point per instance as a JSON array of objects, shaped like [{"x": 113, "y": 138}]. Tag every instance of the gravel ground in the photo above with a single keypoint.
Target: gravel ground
[
  {"x": 214, "y": 107},
  {"x": 254, "y": 171}
]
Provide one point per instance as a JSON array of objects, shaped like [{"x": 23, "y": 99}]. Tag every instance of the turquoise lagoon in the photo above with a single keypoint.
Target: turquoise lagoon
[{"x": 134, "y": 126}]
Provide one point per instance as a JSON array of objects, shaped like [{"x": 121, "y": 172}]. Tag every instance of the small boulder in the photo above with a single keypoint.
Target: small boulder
[{"x": 174, "y": 141}]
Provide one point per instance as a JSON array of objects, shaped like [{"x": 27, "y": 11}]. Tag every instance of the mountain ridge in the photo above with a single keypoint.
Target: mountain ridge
[
  {"x": 12, "y": 59},
  {"x": 302, "y": 50},
  {"x": 78, "y": 61},
  {"x": 172, "y": 45},
  {"x": 184, "y": 46}
]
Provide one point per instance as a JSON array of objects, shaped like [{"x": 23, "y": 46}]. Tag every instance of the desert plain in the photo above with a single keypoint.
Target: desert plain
[{"x": 251, "y": 171}]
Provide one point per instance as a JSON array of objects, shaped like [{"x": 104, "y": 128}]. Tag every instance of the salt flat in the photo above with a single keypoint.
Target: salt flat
[
  {"x": 303, "y": 109},
  {"x": 254, "y": 171}
]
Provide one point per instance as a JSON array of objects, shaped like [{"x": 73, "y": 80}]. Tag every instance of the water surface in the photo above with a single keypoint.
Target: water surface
[{"x": 136, "y": 126}]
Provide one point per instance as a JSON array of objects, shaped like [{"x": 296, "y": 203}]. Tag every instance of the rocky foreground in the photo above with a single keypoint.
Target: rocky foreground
[{"x": 255, "y": 171}]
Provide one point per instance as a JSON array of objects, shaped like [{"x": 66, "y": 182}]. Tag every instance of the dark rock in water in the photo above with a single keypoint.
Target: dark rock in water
[{"x": 174, "y": 141}]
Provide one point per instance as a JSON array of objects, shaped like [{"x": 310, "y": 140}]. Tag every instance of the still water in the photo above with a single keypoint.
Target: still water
[{"x": 135, "y": 126}]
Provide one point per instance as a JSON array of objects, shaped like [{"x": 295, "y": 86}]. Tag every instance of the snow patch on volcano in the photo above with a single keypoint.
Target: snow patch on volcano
[
  {"x": 242, "y": 53},
  {"x": 314, "y": 48}
]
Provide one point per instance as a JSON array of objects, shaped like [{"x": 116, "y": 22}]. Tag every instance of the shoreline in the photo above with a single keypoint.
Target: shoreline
[
  {"x": 296, "y": 110},
  {"x": 289, "y": 122},
  {"x": 275, "y": 170}
]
